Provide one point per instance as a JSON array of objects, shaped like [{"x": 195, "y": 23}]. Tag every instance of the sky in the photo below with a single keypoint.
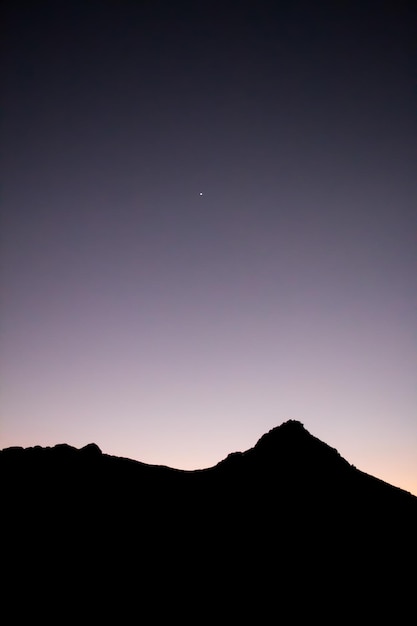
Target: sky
[{"x": 208, "y": 227}]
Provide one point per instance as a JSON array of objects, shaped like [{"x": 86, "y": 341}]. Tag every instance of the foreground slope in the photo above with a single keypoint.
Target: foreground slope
[{"x": 288, "y": 511}]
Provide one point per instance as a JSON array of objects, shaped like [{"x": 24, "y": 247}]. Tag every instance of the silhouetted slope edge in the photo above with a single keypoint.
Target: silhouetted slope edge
[
  {"x": 288, "y": 471},
  {"x": 288, "y": 455},
  {"x": 288, "y": 518},
  {"x": 295, "y": 458}
]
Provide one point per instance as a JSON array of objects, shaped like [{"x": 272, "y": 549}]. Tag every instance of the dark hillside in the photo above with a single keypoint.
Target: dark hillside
[{"x": 289, "y": 511}]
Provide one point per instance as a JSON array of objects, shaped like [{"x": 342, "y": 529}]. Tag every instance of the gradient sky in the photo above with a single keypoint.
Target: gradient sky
[{"x": 173, "y": 327}]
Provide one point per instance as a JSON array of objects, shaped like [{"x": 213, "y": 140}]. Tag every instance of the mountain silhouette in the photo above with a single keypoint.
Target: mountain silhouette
[{"x": 288, "y": 518}]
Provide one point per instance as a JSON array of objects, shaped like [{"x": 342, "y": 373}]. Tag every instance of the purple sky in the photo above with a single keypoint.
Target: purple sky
[{"x": 175, "y": 328}]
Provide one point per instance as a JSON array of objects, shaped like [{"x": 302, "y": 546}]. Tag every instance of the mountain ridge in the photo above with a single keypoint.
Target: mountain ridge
[
  {"x": 287, "y": 518},
  {"x": 287, "y": 443}
]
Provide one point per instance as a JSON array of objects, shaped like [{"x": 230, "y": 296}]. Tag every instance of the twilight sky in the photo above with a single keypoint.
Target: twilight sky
[{"x": 173, "y": 327}]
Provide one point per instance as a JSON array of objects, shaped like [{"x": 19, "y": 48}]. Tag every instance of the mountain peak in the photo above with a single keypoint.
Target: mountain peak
[
  {"x": 289, "y": 428},
  {"x": 290, "y": 447},
  {"x": 289, "y": 435}
]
